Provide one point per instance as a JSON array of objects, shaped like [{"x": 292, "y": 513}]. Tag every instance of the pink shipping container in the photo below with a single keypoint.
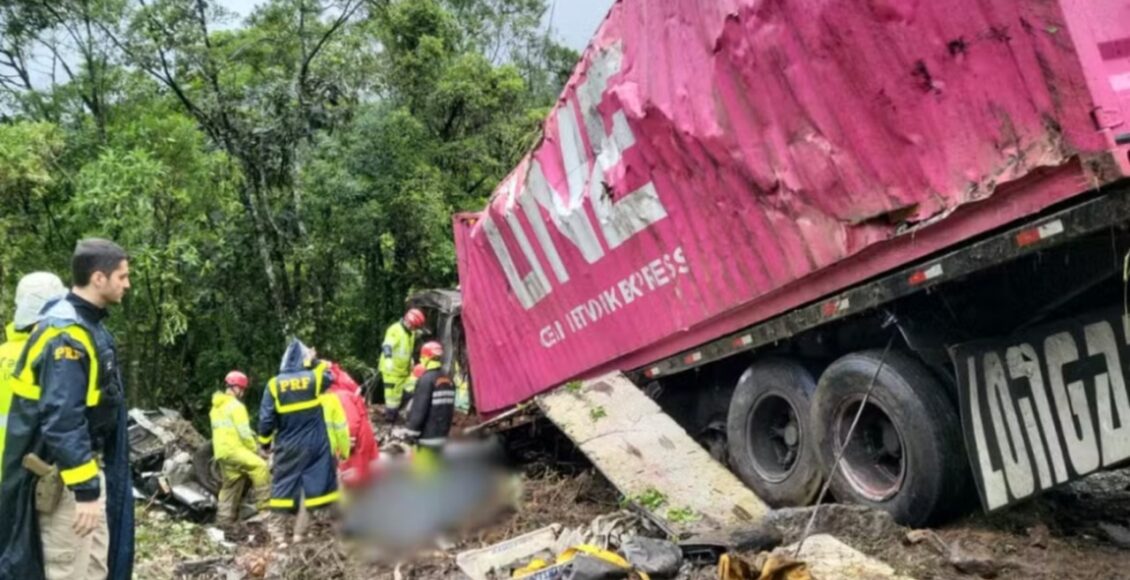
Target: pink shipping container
[{"x": 713, "y": 164}]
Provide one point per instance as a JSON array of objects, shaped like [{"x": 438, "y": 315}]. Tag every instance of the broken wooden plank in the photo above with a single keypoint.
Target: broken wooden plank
[{"x": 647, "y": 455}]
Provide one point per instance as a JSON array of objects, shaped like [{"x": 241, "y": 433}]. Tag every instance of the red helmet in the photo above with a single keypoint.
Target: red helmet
[
  {"x": 236, "y": 379},
  {"x": 414, "y": 319},
  {"x": 432, "y": 350}
]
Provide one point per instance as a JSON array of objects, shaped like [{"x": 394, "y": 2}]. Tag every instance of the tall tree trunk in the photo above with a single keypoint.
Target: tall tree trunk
[{"x": 263, "y": 248}]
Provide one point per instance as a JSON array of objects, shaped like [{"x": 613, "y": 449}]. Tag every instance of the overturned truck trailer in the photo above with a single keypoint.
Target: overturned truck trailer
[{"x": 742, "y": 202}]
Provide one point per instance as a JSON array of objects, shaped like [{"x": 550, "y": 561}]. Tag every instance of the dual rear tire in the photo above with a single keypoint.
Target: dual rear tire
[{"x": 905, "y": 456}]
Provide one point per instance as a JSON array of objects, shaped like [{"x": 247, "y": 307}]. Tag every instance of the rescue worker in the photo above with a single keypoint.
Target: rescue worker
[
  {"x": 33, "y": 292},
  {"x": 67, "y": 427},
  {"x": 396, "y": 361},
  {"x": 462, "y": 388},
  {"x": 433, "y": 405},
  {"x": 337, "y": 426},
  {"x": 234, "y": 448},
  {"x": 292, "y": 421},
  {"x": 355, "y": 470}
]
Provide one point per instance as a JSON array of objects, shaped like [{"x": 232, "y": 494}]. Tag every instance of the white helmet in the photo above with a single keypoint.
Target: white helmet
[{"x": 32, "y": 293}]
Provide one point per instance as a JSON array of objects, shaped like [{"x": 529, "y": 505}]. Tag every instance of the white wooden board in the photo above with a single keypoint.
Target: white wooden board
[{"x": 639, "y": 448}]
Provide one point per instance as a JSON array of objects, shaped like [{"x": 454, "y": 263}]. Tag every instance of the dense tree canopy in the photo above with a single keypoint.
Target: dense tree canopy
[{"x": 291, "y": 174}]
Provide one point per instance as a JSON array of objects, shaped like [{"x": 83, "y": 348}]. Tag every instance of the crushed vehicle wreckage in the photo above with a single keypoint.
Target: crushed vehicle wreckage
[{"x": 172, "y": 464}]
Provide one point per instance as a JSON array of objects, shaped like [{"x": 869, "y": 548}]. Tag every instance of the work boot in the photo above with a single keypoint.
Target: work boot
[{"x": 391, "y": 415}]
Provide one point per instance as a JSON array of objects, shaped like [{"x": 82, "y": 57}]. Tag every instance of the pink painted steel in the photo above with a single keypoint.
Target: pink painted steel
[{"x": 714, "y": 163}]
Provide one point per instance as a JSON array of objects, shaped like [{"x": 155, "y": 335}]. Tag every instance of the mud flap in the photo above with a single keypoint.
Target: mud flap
[{"x": 1045, "y": 406}]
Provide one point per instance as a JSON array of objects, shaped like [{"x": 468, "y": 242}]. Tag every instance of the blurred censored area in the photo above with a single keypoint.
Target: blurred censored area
[{"x": 421, "y": 499}]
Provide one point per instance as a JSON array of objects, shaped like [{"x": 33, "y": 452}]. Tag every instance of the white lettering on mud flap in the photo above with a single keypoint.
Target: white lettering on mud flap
[
  {"x": 617, "y": 219},
  {"x": 1045, "y": 407}
]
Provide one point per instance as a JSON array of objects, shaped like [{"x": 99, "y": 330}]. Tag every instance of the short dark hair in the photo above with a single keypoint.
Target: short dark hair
[{"x": 95, "y": 255}]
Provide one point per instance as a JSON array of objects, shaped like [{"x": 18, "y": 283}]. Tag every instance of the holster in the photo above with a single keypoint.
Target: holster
[{"x": 48, "y": 485}]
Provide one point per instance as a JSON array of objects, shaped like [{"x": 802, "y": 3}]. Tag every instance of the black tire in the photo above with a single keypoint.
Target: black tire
[
  {"x": 769, "y": 433},
  {"x": 905, "y": 456},
  {"x": 205, "y": 469}
]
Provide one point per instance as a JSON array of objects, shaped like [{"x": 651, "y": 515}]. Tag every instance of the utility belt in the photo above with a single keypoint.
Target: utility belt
[{"x": 49, "y": 486}]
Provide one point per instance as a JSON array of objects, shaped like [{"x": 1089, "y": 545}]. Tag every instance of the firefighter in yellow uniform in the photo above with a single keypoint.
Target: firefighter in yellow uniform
[
  {"x": 396, "y": 361},
  {"x": 32, "y": 293},
  {"x": 234, "y": 447}
]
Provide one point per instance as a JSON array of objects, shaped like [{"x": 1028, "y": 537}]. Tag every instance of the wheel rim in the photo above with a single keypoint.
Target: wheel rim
[
  {"x": 775, "y": 438},
  {"x": 874, "y": 461}
]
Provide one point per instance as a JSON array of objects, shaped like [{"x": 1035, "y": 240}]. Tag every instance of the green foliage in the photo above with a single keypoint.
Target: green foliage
[
  {"x": 294, "y": 173},
  {"x": 682, "y": 515},
  {"x": 162, "y": 541},
  {"x": 29, "y": 153},
  {"x": 650, "y": 499},
  {"x": 597, "y": 413}
]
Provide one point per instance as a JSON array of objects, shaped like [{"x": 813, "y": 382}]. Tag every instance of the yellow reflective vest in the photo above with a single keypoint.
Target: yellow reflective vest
[
  {"x": 231, "y": 427},
  {"x": 396, "y": 354},
  {"x": 337, "y": 425},
  {"x": 9, "y": 355}
]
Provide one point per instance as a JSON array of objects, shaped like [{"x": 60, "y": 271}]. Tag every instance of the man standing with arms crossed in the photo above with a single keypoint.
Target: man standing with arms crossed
[{"x": 68, "y": 425}]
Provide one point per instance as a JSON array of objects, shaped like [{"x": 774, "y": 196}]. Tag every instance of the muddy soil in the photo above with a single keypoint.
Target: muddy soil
[{"x": 1079, "y": 531}]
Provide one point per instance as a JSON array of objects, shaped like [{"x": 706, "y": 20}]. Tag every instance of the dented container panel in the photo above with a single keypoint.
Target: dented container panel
[{"x": 714, "y": 163}]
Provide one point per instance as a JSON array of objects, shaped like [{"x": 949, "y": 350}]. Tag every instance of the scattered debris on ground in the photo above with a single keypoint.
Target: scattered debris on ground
[
  {"x": 172, "y": 464},
  {"x": 163, "y": 542},
  {"x": 1073, "y": 532}
]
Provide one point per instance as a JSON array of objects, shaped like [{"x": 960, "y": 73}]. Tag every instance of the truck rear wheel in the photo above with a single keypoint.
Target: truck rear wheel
[
  {"x": 905, "y": 456},
  {"x": 769, "y": 435}
]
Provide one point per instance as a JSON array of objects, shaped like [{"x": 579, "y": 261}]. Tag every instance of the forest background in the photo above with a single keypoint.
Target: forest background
[{"x": 291, "y": 173}]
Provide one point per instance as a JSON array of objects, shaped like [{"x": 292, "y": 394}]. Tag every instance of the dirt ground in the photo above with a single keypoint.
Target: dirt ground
[
  {"x": 1057, "y": 536},
  {"x": 1071, "y": 532},
  {"x": 1079, "y": 531}
]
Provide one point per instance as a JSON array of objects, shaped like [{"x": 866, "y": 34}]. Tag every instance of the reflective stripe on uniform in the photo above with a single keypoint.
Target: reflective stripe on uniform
[
  {"x": 223, "y": 424},
  {"x": 24, "y": 389},
  {"x": 243, "y": 428},
  {"x": 266, "y": 439},
  {"x": 280, "y": 502},
  {"x": 322, "y": 499},
  {"x": 273, "y": 385},
  {"x": 80, "y": 474},
  {"x": 24, "y": 384}
]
